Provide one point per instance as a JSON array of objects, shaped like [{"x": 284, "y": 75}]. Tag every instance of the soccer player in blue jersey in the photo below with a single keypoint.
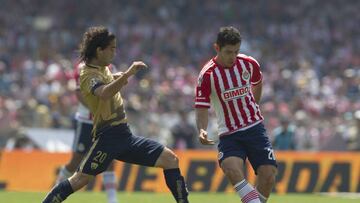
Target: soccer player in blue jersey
[{"x": 111, "y": 133}]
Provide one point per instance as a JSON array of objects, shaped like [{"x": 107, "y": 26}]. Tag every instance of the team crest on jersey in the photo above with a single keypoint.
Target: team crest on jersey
[
  {"x": 245, "y": 75},
  {"x": 94, "y": 165},
  {"x": 220, "y": 155},
  {"x": 93, "y": 82}
]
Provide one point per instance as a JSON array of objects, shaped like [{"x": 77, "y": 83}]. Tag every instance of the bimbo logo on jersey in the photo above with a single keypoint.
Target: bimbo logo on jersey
[{"x": 235, "y": 93}]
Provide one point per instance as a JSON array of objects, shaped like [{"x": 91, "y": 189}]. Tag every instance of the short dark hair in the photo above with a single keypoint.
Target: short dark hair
[
  {"x": 93, "y": 38},
  {"x": 228, "y": 35}
]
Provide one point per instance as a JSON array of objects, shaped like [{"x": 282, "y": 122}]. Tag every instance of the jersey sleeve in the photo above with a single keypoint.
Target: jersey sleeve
[
  {"x": 90, "y": 81},
  {"x": 203, "y": 91},
  {"x": 256, "y": 74}
]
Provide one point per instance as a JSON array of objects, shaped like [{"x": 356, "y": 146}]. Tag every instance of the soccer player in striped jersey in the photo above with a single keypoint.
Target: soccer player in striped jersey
[
  {"x": 232, "y": 84},
  {"x": 82, "y": 143},
  {"x": 111, "y": 133}
]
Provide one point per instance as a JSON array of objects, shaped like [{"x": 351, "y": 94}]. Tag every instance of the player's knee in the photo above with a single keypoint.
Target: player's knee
[
  {"x": 171, "y": 160},
  {"x": 232, "y": 172},
  {"x": 268, "y": 180},
  {"x": 168, "y": 160},
  {"x": 267, "y": 175}
]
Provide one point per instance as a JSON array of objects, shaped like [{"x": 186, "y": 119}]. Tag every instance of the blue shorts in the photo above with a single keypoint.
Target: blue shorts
[
  {"x": 252, "y": 143},
  {"x": 83, "y": 138},
  {"x": 117, "y": 142}
]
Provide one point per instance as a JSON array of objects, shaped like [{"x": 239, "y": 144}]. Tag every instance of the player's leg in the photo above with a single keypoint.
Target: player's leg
[
  {"x": 174, "y": 180},
  {"x": 109, "y": 182},
  {"x": 96, "y": 161},
  {"x": 82, "y": 143},
  {"x": 67, "y": 170},
  {"x": 233, "y": 169},
  {"x": 262, "y": 159},
  {"x": 231, "y": 160},
  {"x": 265, "y": 181},
  {"x": 147, "y": 152},
  {"x": 65, "y": 188}
]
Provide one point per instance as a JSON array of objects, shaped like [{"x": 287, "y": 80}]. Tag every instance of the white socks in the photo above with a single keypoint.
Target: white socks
[
  {"x": 63, "y": 174},
  {"x": 110, "y": 186},
  {"x": 247, "y": 192}
]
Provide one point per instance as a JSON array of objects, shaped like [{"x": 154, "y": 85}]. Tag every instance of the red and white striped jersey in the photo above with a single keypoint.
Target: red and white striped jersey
[{"x": 228, "y": 90}]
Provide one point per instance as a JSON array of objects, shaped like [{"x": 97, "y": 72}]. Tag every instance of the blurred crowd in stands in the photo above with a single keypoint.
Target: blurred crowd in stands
[{"x": 309, "y": 53}]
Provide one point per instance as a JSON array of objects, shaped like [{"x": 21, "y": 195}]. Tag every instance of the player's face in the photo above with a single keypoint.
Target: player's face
[
  {"x": 226, "y": 55},
  {"x": 107, "y": 55}
]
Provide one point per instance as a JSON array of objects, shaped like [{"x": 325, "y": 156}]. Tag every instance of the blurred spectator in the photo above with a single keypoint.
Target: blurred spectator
[
  {"x": 9, "y": 127},
  {"x": 308, "y": 51},
  {"x": 353, "y": 133},
  {"x": 20, "y": 141},
  {"x": 184, "y": 133},
  {"x": 284, "y": 136}
]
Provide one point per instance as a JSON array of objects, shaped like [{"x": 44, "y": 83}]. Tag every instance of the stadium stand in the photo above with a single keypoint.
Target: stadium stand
[{"x": 309, "y": 52}]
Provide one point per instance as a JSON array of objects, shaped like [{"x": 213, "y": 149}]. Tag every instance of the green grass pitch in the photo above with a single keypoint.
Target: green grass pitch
[{"x": 138, "y": 197}]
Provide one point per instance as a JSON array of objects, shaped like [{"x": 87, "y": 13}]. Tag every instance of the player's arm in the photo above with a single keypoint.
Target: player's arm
[
  {"x": 202, "y": 104},
  {"x": 202, "y": 119},
  {"x": 256, "y": 79},
  {"x": 117, "y": 75},
  {"x": 257, "y": 91},
  {"x": 109, "y": 90}
]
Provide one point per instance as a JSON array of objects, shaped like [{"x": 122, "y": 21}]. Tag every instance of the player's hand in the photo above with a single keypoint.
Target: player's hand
[
  {"x": 135, "y": 67},
  {"x": 203, "y": 138}
]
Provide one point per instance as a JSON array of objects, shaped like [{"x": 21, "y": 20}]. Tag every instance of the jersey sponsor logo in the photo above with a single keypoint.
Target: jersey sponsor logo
[{"x": 235, "y": 93}]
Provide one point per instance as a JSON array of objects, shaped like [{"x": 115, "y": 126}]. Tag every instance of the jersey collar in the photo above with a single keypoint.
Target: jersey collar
[{"x": 93, "y": 66}]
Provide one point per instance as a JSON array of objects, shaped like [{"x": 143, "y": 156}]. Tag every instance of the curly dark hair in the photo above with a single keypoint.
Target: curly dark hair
[
  {"x": 93, "y": 38},
  {"x": 228, "y": 35}
]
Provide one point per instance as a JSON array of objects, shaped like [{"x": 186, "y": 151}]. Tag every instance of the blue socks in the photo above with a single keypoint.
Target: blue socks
[
  {"x": 59, "y": 193},
  {"x": 176, "y": 184}
]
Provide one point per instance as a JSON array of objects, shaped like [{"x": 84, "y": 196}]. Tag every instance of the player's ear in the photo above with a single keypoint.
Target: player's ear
[{"x": 98, "y": 50}]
